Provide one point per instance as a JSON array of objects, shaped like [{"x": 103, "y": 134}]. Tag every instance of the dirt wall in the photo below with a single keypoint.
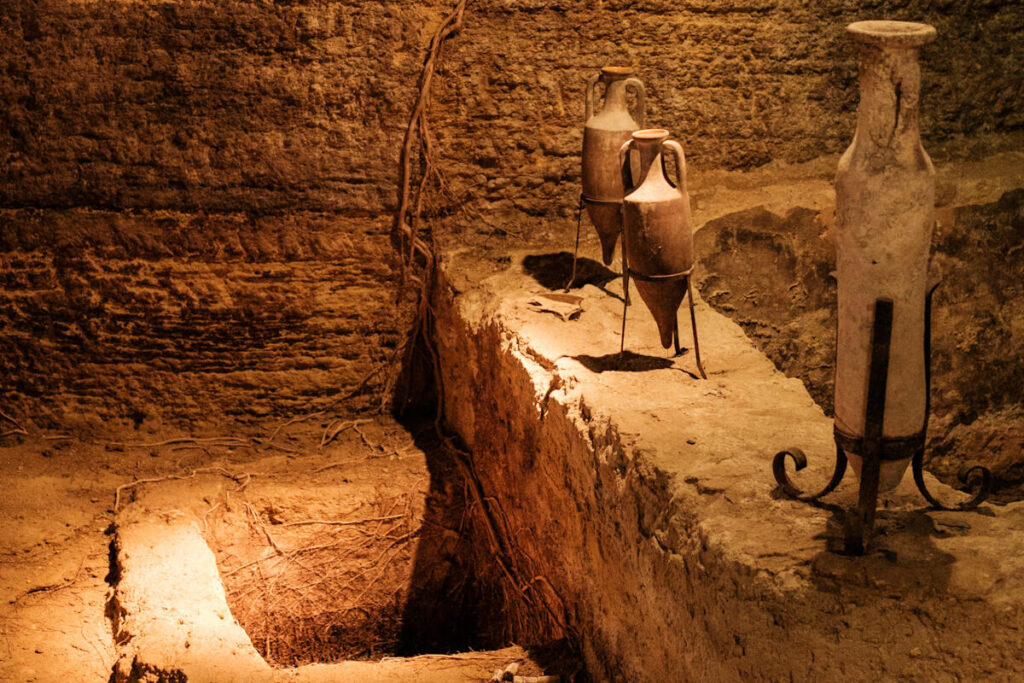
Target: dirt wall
[
  {"x": 183, "y": 316},
  {"x": 225, "y": 105},
  {"x": 212, "y": 105},
  {"x": 191, "y": 200},
  {"x": 286, "y": 119},
  {"x": 740, "y": 82}
]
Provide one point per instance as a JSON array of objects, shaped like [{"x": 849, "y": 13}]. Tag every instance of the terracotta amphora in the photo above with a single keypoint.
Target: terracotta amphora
[
  {"x": 657, "y": 235},
  {"x": 885, "y": 200},
  {"x": 603, "y": 134}
]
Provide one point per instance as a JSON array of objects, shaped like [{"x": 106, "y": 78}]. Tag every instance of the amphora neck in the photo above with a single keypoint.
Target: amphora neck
[
  {"x": 649, "y": 145},
  {"x": 890, "y": 87},
  {"x": 615, "y": 95}
]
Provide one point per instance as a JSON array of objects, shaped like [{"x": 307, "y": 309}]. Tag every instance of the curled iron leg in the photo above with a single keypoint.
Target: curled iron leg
[
  {"x": 976, "y": 476},
  {"x": 800, "y": 462}
]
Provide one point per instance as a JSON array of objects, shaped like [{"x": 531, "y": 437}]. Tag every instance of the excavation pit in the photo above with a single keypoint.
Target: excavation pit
[
  {"x": 638, "y": 501},
  {"x": 312, "y": 582},
  {"x": 339, "y": 572},
  {"x": 645, "y": 495}
]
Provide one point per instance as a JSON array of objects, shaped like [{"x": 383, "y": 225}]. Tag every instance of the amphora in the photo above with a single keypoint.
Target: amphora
[
  {"x": 657, "y": 231},
  {"x": 604, "y": 132},
  {"x": 885, "y": 201}
]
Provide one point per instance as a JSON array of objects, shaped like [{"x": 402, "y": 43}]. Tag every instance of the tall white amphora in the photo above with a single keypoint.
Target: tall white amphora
[{"x": 885, "y": 202}]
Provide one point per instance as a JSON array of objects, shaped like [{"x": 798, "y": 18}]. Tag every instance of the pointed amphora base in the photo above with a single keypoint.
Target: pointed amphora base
[
  {"x": 663, "y": 300},
  {"x": 607, "y": 220},
  {"x": 890, "y": 473}
]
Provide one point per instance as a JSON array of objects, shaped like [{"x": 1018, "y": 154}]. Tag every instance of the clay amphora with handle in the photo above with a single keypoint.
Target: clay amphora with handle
[
  {"x": 604, "y": 132},
  {"x": 657, "y": 232}
]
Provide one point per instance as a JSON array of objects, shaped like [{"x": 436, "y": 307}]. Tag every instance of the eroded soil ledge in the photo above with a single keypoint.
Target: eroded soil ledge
[{"x": 644, "y": 499}]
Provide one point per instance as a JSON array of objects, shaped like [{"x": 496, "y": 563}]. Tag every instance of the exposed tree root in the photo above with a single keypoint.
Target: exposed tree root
[
  {"x": 12, "y": 421},
  {"x": 419, "y": 265},
  {"x": 336, "y": 428},
  {"x": 223, "y": 441},
  {"x": 330, "y": 433},
  {"x": 241, "y": 479},
  {"x": 342, "y": 522},
  {"x": 404, "y": 230},
  {"x": 52, "y": 587},
  {"x": 289, "y": 423},
  {"x": 19, "y": 429}
]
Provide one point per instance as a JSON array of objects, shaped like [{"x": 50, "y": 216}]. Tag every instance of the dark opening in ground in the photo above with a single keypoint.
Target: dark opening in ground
[{"x": 369, "y": 557}]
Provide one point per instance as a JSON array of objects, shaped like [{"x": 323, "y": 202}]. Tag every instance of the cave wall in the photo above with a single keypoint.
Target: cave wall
[
  {"x": 233, "y": 105},
  {"x": 191, "y": 204},
  {"x": 740, "y": 82},
  {"x": 194, "y": 194},
  {"x": 207, "y": 105}
]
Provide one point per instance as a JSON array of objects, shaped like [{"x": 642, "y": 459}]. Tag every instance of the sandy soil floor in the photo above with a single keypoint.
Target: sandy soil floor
[{"x": 58, "y": 504}]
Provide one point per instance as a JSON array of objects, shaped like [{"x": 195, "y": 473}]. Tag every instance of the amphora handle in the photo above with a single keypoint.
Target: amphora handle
[
  {"x": 591, "y": 97},
  {"x": 677, "y": 152},
  {"x": 641, "y": 100},
  {"x": 625, "y": 167}
]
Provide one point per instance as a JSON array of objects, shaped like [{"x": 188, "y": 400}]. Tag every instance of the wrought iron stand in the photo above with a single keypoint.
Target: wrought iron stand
[
  {"x": 628, "y": 273},
  {"x": 584, "y": 200},
  {"x": 874, "y": 448},
  {"x": 576, "y": 250}
]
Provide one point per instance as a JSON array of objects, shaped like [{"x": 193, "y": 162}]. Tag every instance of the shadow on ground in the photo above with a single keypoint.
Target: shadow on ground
[
  {"x": 554, "y": 271},
  {"x": 627, "y": 361}
]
